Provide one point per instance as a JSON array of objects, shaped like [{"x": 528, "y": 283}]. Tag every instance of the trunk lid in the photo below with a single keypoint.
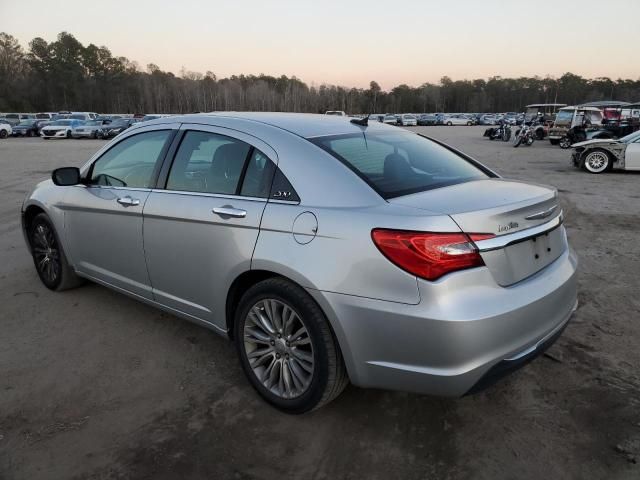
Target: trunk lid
[{"x": 517, "y": 213}]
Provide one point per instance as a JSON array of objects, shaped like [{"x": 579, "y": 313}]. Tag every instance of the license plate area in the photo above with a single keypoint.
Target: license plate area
[{"x": 527, "y": 257}]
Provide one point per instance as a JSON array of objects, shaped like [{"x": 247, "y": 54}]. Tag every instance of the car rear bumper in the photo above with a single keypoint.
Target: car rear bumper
[{"x": 465, "y": 326}]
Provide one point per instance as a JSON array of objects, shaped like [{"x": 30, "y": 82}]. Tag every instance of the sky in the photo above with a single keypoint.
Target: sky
[{"x": 350, "y": 42}]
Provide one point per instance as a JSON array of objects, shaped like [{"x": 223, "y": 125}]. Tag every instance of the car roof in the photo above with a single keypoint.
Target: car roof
[{"x": 305, "y": 125}]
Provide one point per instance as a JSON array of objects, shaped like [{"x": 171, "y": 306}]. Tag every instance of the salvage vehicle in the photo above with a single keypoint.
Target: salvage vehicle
[
  {"x": 577, "y": 124},
  {"x": 59, "y": 129},
  {"x": 91, "y": 129},
  {"x": 420, "y": 270},
  {"x": 5, "y": 128},
  {"x": 408, "y": 120},
  {"x": 458, "y": 119},
  {"x": 428, "y": 119},
  {"x": 597, "y": 156},
  {"x": 27, "y": 128},
  {"x": 117, "y": 126}
]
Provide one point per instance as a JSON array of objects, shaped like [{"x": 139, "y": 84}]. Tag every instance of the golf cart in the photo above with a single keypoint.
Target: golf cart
[
  {"x": 542, "y": 116},
  {"x": 577, "y": 124}
]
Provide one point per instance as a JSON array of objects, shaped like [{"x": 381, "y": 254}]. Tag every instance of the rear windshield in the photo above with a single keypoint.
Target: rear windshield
[{"x": 399, "y": 163}]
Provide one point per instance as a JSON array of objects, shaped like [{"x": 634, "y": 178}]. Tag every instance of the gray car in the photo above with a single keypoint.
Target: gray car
[{"x": 329, "y": 250}]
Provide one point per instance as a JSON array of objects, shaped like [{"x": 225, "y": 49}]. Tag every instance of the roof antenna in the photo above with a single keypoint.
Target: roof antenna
[{"x": 364, "y": 121}]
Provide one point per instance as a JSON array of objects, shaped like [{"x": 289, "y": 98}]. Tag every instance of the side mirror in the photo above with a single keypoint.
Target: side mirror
[{"x": 66, "y": 176}]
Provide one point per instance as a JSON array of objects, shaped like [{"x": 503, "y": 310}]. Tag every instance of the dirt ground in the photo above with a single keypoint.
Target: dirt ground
[{"x": 96, "y": 385}]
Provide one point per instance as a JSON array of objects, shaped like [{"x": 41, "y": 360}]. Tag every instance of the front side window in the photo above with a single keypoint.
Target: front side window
[
  {"x": 131, "y": 162},
  {"x": 396, "y": 164},
  {"x": 208, "y": 163}
]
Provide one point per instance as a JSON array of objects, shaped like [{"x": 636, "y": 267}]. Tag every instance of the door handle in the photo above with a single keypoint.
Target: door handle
[
  {"x": 128, "y": 201},
  {"x": 229, "y": 211}
]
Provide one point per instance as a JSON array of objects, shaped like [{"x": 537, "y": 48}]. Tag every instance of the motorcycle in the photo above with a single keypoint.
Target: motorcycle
[
  {"x": 502, "y": 132},
  {"x": 524, "y": 136}
]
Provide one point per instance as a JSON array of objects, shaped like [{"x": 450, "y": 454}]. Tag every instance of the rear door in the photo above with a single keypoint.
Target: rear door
[{"x": 201, "y": 226}]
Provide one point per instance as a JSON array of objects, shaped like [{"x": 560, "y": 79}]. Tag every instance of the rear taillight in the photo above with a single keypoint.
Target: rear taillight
[{"x": 429, "y": 255}]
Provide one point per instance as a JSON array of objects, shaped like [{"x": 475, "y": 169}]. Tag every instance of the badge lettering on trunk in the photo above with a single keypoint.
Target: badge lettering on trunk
[{"x": 508, "y": 226}]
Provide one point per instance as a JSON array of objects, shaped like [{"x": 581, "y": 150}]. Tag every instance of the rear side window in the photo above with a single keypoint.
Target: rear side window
[
  {"x": 399, "y": 163},
  {"x": 208, "y": 163}
]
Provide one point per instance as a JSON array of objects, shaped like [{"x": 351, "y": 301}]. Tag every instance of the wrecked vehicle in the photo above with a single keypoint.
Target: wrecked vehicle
[{"x": 602, "y": 155}]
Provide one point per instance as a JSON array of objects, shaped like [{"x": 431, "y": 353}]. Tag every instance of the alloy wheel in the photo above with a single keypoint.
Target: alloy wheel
[
  {"x": 279, "y": 348},
  {"x": 46, "y": 253},
  {"x": 596, "y": 162}
]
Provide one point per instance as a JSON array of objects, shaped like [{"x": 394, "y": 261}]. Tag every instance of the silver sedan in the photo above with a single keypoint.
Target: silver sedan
[{"x": 330, "y": 250}]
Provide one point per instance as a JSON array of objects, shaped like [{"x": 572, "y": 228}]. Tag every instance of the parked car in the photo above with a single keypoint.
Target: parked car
[
  {"x": 390, "y": 119},
  {"x": 376, "y": 117},
  {"x": 408, "y": 120},
  {"x": 422, "y": 269},
  {"x": 603, "y": 155},
  {"x": 488, "y": 119},
  {"x": 428, "y": 119},
  {"x": 338, "y": 113},
  {"x": 146, "y": 118},
  {"x": 27, "y": 128},
  {"x": 14, "y": 119},
  {"x": 60, "y": 128},
  {"x": 457, "y": 119},
  {"x": 84, "y": 116},
  {"x": 107, "y": 119},
  {"x": 44, "y": 115},
  {"x": 5, "y": 128},
  {"x": 90, "y": 129},
  {"x": 117, "y": 126}
]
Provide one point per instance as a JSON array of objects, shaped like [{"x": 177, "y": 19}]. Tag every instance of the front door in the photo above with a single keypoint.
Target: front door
[
  {"x": 103, "y": 218},
  {"x": 201, "y": 229},
  {"x": 632, "y": 156}
]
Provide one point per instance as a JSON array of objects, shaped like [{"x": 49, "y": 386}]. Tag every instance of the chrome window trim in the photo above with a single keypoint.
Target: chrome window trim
[
  {"x": 229, "y": 196},
  {"x": 108, "y": 187},
  {"x": 503, "y": 241}
]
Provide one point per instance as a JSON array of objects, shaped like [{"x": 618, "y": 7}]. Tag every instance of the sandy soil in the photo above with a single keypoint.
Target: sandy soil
[{"x": 95, "y": 385}]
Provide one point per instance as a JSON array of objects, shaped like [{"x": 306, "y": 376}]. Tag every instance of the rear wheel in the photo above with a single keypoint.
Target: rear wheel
[
  {"x": 287, "y": 348},
  {"x": 565, "y": 142},
  {"x": 3, "y": 134},
  {"x": 449, "y": 124},
  {"x": 48, "y": 256},
  {"x": 597, "y": 161},
  {"x": 68, "y": 133}
]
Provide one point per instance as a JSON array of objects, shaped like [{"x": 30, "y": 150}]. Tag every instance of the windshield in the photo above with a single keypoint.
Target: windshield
[
  {"x": 25, "y": 123},
  {"x": 632, "y": 137},
  {"x": 61, "y": 122},
  {"x": 564, "y": 117},
  {"x": 399, "y": 163},
  {"x": 78, "y": 116},
  {"x": 118, "y": 123},
  {"x": 92, "y": 123}
]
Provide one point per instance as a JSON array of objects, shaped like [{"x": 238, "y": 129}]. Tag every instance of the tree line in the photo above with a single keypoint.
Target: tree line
[{"x": 66, "y": 75}]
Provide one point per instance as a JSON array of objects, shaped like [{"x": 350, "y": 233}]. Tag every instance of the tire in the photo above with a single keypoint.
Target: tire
[
  {"x": 540, "y": 134},
  {"x": 94, "y": 135},
  {"x": 318, "y": 381},
  {"x": 564, "y": 142},
  {"x": 529, "y": 141},
  {"x": 554, "y": 141},
  {"x": 506, "y": 136},
  {"x": 597, "y": 161},
  {"x": 68, "y": 133},
  {"x": 469, "y": 124},
  {"x": 29, "y": 133},
  {"x": 48, "y": 256},
  {"x": 3, "y": 134}
]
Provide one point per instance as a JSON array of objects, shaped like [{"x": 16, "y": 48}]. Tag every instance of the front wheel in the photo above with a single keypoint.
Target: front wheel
[
  {"x": 68, "y": 133},
  {"x": 449, "y": 124},
  {"x": 506, "y": 136},
  {"x": 286, "y": 347},
  {"x": 597, "y": 161},
  {"x": 48, "y": 256},
  {"x": 565, "y": 142},
  {"x": 3, "y": 134}
]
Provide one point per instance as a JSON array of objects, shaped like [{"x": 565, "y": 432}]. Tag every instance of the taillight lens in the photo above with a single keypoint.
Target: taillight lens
[{"x": 429, "y": 255}]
